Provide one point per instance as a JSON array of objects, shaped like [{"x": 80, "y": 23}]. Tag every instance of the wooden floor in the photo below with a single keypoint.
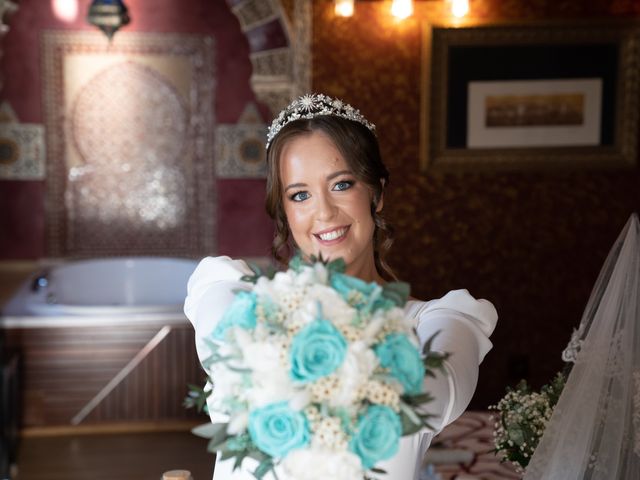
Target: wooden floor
[{"x": 113, "y": 456}]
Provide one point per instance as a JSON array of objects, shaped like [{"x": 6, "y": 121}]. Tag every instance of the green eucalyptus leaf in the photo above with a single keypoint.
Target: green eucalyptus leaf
[
  {"x": 208, "y": 430},
  {"x": 226, "y": 454},
  {"x": 418, "y": 399},
  {"x": 337, "y": 266},
  {"x": 378, "y": 470},
  {"x": 296, "y": 262},
  {"x": 397, "y": 292},
  {"x": 426, "y": 348},
  {"x": 238, "y": 461},
  {"x": 264, "y": 468},
  {"x": 217, "y": 432},
  {"x": 411, "y": 423}
]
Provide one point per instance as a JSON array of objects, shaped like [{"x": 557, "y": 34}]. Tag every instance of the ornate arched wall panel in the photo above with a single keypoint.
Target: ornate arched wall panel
[{"x": 280, "y": 48}]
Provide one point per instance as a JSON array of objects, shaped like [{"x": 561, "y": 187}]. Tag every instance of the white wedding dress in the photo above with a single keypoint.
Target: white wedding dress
[{"x": 465, "y": 325}]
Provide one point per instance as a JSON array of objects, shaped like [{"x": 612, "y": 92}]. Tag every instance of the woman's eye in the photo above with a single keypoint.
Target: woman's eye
[
  {"x": 299, "y": 196},
  {"x": 345, "y": 185}
]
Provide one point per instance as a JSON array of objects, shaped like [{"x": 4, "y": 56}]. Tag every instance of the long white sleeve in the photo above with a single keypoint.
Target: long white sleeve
[
  {"x": 464, "y": 325},
  {"x": 210, "y": 291}
]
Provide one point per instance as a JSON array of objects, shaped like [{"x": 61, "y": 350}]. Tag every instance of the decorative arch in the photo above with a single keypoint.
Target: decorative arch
[
  {"x": 279, "y": 48},
  {"x": 7, "y": 7}
]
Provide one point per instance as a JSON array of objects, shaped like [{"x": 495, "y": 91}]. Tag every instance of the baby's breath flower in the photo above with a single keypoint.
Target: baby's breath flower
[
  {"x": 350, "y": 333},
  {"x": 521, "y": 418},
  {"x": 382, "y": 394},
  {"x": 329, "y": 434},
  {"x": 324, "y": 388}
]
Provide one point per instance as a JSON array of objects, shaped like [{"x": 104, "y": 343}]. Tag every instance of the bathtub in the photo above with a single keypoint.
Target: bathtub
[
  {"x": 99, "y": 338},
  {"x": 101, "y": 291}
]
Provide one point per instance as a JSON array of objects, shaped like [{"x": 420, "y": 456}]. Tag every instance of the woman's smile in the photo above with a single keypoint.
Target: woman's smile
[{"x": 332, "y": 236}]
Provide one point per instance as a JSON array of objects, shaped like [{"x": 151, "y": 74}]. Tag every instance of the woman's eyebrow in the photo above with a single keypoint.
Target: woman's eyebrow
[
  {"x": 329, "y": 178},
  {"x": 337, "y": 174},
  {"x": 295, "y": 185}
]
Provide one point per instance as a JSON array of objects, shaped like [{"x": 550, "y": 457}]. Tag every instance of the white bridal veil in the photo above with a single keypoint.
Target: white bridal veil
[{"x": 594, "y": 432}]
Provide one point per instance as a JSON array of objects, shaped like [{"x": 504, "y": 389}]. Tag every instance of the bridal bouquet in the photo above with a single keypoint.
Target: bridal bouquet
[{"x": 318, "y": 373}]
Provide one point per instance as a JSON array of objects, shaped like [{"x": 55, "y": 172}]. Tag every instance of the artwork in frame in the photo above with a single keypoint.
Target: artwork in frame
[
  {"x": 532, "y": 95},
  {"x": 534, "y": 113}
]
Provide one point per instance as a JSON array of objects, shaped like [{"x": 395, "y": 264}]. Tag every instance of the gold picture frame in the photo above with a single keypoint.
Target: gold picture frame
[{"x": 454, "y": 58}]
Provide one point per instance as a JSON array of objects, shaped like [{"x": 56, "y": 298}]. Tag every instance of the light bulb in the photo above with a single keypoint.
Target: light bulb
[
  {"x": 343, "y": 8},
  {"x": 402, "y": 9},
  {"x": 65, "y": 10},
  {"x": 459, "y": 8}
]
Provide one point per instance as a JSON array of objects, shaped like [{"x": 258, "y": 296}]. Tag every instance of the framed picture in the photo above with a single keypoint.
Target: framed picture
[{"x": 523, "y": 96}]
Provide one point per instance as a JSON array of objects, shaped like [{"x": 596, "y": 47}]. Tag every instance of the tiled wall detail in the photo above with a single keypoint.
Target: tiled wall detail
[
  {"x": 239, "y": 147},
  {"x": 130, "y": 168},
  {"x": 22, "y": 152}
]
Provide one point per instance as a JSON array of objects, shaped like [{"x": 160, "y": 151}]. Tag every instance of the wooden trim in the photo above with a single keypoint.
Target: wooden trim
[{"x": 111, "y": 428}]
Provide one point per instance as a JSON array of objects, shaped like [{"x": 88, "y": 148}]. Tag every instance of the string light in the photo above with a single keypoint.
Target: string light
[
  {"x": 402, "y": 9},
  {"x": 459, "y": 8},
  {"x": 344, "y": 8}
]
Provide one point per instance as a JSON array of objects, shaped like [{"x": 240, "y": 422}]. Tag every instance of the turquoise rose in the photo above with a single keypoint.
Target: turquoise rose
[
  {"x": 316, "y": 351},
  {"x": 370, "y": 294},
  {"x": 403, "y": 360},
  {"x": 241, "y": 313},
  {"x": 276, "y": 429},
  {"x": 377, "y": 435}
]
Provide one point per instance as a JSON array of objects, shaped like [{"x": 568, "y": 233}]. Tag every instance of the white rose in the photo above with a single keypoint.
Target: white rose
[
  {"x": 332, "y": 304},
  {"x": 321, "y": 273},
  {"x": 373, "y": 328},
  {"x": 306, "y": 277},
  {"x": 262, "y": 357},
  {"x": 272, "y": 388},
  {"x": 321, "y": 464},
  {"x": 270, "y": 379},
  {"x": 355, "y": 371},
  {"x": 226, "y": 384},
  {"x": 238, "y": 423}
]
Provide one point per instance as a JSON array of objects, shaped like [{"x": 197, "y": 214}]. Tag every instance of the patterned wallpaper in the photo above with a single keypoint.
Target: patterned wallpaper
[{"x": 530, "y": 241}]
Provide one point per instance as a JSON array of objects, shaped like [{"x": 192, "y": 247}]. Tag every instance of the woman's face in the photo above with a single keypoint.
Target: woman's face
[{"x": 327, "y": 208}]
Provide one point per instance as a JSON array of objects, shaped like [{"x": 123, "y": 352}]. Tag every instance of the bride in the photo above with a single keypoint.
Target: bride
[{"x": 325, "y": 192}]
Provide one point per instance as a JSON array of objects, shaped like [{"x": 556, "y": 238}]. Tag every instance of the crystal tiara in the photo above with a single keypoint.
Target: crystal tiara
[{"x": 314, "y": 105}]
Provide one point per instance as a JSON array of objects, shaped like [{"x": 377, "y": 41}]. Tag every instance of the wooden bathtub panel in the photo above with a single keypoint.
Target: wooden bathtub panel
[{"x": 64, "y": 368}]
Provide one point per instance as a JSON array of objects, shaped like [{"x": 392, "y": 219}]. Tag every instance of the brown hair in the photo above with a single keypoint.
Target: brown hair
[{"x": 360, "y": 149}]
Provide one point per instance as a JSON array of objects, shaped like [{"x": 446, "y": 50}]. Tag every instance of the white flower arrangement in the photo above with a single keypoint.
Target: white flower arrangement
[
  {"x": 319, "y": 373},
  {"x": 522, "y": 416}
]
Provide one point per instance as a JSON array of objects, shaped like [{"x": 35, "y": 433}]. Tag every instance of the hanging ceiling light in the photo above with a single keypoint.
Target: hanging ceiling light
[{"x": 108, "y": 15}]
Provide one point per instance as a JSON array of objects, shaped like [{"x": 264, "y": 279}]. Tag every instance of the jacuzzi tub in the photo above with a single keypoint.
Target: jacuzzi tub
[
  {"x": 114, "y": 330},
  {"x": 128, "y": 287}
]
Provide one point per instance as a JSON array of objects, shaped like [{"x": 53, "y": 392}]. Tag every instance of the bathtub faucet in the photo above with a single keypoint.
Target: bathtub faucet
[{"x": 40, "y": 282}]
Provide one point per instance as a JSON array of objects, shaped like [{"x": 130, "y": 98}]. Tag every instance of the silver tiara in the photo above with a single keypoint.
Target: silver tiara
[{"x": 314, "y": 105}]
